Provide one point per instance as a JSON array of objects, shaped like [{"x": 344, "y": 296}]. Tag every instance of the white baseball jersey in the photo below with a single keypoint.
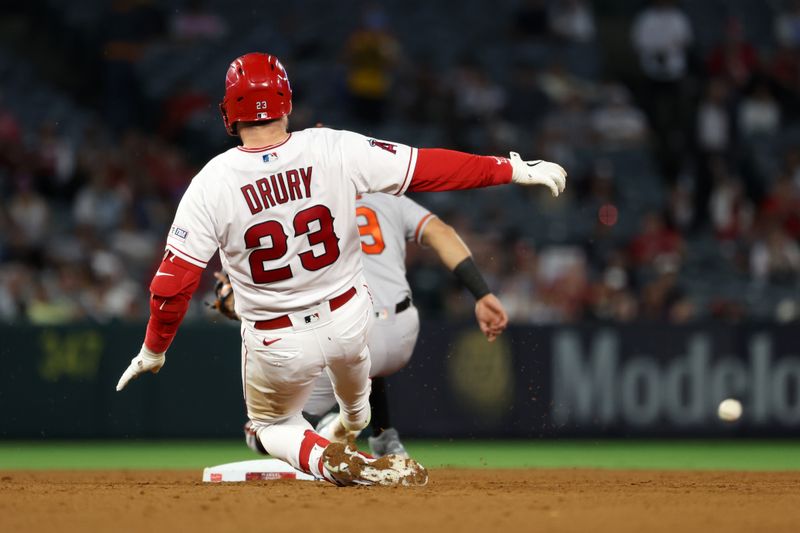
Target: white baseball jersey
[
  {"x": 284, "y": 216},
  {"x": 385, "y": 223}
]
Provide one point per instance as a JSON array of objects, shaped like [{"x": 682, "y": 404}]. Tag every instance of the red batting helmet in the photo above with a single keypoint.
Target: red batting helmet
[{"x": 256, "y": 89}]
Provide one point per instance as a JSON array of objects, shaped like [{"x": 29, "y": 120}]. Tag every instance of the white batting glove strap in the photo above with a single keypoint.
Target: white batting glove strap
[
  {"x": 538, "y": 173},
  {"x": 145, "y": 361}
]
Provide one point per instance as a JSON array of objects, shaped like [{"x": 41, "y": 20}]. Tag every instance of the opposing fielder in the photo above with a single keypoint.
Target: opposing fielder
[{"x": 281, "y": 211}]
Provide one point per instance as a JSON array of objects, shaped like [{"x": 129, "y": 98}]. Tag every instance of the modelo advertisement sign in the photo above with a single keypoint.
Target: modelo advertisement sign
[
  {"x": 586, "y": 381},
  {"x": 638, "y": 380}
]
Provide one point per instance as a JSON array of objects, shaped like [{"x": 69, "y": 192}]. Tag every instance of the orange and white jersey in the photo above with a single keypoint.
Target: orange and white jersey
[
  {"x": 284, "y": 217},
  {"x": 385, "y": 223}
]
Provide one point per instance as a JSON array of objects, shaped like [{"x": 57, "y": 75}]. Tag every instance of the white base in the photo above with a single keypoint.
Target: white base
[{"x": 258, "y": 470}]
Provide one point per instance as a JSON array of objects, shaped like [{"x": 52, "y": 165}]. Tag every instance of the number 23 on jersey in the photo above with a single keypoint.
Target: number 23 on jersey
[{"x": 301, "y": 226}]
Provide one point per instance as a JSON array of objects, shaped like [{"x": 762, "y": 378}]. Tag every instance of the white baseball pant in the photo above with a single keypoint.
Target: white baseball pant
[
  {"x": 280, "y": 368},
  {"x": 391, "y": 344}
]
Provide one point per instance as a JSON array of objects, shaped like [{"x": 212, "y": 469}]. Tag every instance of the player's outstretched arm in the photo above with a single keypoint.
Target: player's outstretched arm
[
  {"x": 442, "y": 170},
  {"x": 170, "y": 292},
  {"x": 489, "y": 312}
]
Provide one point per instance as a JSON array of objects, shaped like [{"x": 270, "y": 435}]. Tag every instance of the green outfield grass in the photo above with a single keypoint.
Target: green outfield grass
[{"x": 708, "y": 455}]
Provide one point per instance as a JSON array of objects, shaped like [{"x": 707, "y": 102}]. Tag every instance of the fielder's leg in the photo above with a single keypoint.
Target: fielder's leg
[
  {"x": 391, "y": 344},
  {"x": 380, "y": 406}
]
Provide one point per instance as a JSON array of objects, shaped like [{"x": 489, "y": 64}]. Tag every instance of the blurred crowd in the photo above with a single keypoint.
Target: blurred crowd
[{"x": 702, "y": 222}]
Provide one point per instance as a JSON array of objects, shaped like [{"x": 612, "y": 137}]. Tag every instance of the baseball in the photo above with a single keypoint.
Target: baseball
[{"x": 729, "y": 410}]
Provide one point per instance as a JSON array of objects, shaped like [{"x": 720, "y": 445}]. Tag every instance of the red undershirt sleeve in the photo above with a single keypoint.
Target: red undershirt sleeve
[
  {"x": 447, "y": 170},
  {"x": 170, "y": 292}
]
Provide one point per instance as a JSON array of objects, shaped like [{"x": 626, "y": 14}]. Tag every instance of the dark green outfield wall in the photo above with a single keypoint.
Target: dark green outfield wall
[{"x": 638, "y": 380}]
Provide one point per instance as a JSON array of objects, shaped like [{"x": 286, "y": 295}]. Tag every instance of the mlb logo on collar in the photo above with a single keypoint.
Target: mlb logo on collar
[{"x": 269, "y": 157}]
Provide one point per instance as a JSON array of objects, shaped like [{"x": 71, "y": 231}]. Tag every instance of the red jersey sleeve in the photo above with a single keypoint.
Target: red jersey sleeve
[
  {"x": 170, "y": 292},
  {"x": 448, "y": 170}
]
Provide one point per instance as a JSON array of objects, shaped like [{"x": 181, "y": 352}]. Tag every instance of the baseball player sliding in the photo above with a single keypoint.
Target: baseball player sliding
[
  {"x": 281, "y": 210},
  {"x": 386, "y": 223}
]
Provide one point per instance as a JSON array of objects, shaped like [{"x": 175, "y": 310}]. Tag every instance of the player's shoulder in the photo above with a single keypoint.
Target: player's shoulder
[
  {"x": 329, "y": 135},
  {"x": 216, "y": 168},
  {"x": 212, "y": 178}
]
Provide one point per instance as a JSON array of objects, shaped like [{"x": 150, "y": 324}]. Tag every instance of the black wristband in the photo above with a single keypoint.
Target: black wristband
[{"x": 468, "y": 274}]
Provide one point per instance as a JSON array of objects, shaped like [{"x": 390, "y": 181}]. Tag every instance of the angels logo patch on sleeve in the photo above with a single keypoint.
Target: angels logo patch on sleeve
[{"x": 389, "y": 147}]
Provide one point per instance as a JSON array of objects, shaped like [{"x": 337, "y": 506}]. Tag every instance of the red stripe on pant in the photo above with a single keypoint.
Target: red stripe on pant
[{"x": 310, "y": 439}]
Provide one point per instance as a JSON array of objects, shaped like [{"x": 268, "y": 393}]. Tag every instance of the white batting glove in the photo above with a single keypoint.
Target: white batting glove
[
  {"x": 538, "y": 173},
  {"x": 146, "y": 361}
]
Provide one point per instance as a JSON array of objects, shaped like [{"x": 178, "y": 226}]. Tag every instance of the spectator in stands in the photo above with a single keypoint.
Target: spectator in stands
[
  {"x": 563, "y": 285},
  {"x": 714, "y": 134},
  {"x": 195, "y": 23},
  {"x": 46, "y": 307},
  {"x": 734, "y": 59},
  {"x": 616, "y": 122},
  {"x": 518, "y": 287},
  {"x": 476, "y": 97},
  {"x": 55, "y": 162},
  {"x": 654, "y": 240},
  {"x": 787, "y": 25},
  {"x": 775, "y": 258},
  {"x": 13, "y": 283},
  {"x": 662, "y": 37},
  {"x": 571, "y": 121},
  {"x": 184, "y": 104},
  {"x": 663, "y": 298},
  {"x": 715, "y": 120},
  {"x": 572, "y": 20},
  {"x": 731, "y": 211},
  {"x": 372, "y": 56},
  {"x": 680, "y": 206},
  {"x": 759, "y": 113},
  {"x": 611, "y": 296},
  {"x": 29, "y": 215},
  {"x": 99, "y": 204},
  {"x": 560, "y": 85},
  {"x": 781, "y": 207}
]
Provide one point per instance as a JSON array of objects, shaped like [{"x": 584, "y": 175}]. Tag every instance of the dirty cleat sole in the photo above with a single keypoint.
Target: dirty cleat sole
[{"x": 348, "y": 467}]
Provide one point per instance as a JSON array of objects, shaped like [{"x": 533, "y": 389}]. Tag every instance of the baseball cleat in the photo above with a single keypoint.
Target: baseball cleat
[
  {"x": 387, "y": 443},
  {"x": 252, "y": 440},
  {"x": 330, "y": 427},
  {"x": 349, "y": 467}
]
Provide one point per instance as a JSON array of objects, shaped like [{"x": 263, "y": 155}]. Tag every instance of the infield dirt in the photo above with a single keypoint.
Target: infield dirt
[{"x": 453, "y": 501}]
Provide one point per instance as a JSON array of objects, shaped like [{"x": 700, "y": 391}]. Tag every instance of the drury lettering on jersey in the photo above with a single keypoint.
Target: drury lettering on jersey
[{"x": 278, "y": 189}]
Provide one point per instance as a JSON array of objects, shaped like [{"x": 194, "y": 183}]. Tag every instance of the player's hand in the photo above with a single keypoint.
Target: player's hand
[
  {"x": 491, "y": 316},
  {"x": 146, "y": 361},
  {"x": 538, "y": 173}
]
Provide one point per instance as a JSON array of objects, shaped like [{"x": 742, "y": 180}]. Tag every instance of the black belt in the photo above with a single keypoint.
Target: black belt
[
  {"x": 399, "y": 308},
  {"x": 402, "y": 306}
]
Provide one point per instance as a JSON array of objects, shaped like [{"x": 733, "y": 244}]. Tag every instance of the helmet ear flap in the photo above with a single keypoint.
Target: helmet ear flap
[{"x": 225, "y": 121}]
